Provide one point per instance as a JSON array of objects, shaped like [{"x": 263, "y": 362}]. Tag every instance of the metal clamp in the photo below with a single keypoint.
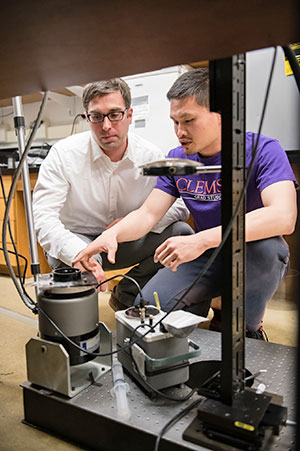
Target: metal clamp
[{"x": 140, "y": 358}]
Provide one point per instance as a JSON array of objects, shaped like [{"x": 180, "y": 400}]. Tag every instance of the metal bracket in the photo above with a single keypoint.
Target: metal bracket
[
  {"x": 48, "y": 365},
  {"x": 140, "y": 358}
]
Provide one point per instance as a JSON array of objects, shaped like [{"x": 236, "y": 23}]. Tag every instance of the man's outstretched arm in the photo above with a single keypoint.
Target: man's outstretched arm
[{"x": 135, "y": 225}]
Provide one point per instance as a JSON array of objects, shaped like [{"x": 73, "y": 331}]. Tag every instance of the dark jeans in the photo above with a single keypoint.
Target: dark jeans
[{"x": 266, "y": 264}]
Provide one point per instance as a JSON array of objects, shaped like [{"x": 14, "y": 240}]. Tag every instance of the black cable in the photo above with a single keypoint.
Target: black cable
[
  {"x": 174, "y": 420},
  {"x": 125, "y": 277},
  {"x": 19, "y": 256},
  {"x": 74, "y": 121},
  {"x": 6, "y": 115},
  {"x": 9, "y": 229},
  {"x": 22, "y": 292}
]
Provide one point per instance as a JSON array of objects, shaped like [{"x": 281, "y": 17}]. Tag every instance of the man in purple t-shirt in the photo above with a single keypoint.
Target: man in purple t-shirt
[{"x": 271, "y": 213}]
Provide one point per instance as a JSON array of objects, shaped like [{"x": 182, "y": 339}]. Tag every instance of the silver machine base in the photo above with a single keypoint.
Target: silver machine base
[{"x": 90, "y": 418}]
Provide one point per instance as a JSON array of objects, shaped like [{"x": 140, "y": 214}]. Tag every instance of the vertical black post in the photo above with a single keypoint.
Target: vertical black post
[{"x": 227, "y": 87}]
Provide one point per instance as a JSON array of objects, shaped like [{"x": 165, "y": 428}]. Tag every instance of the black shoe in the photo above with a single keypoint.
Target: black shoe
[
  {"x": 115, "y": 304},
  {"x": 215, "y": 323},
  {"x": 258, "y": 334}
]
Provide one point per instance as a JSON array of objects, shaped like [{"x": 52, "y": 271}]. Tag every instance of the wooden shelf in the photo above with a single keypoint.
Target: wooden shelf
[{"x": 19, "y": 229}]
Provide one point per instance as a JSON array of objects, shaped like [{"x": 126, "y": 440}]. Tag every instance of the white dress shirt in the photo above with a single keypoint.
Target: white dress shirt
[{"x": 80, "y": 190}]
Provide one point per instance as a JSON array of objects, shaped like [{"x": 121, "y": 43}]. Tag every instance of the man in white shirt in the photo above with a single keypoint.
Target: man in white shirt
[{"x": 91, "y": 180}]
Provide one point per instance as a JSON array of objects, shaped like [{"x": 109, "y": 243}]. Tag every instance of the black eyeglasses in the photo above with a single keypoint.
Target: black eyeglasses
[{"x": 114, "y": 116}]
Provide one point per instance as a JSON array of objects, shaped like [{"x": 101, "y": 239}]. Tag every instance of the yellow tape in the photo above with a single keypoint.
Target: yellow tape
[
  {"x": 241, "y": 425},
  {"x": 156, "y": 299},
  {"x": 287, "y": 68}
]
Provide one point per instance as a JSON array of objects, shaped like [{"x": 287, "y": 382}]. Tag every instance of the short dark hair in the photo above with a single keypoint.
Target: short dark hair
[
  {"x": 104, "y": 87},
  {"x": 195, "y": 82}
]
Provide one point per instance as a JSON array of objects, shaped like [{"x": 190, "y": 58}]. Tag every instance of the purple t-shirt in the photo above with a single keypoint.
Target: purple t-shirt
[{"x": 202, "y": 193}]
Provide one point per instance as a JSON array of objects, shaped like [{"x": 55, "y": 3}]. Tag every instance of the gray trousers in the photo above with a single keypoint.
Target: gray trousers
[
  {"x": 140, "y": 253},
  {"x": 266, "y": 264}
]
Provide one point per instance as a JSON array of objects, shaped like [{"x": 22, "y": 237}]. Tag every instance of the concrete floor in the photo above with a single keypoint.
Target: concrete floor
[{"x": 18, "y": 325}]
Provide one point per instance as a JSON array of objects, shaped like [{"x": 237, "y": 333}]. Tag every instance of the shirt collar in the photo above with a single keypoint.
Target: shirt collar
[
  {"x": 129, "y": 151},
  {"x": 97, "y": 152}
]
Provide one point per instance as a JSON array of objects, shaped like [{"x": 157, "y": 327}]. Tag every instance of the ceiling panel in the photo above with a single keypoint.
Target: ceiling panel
[{"x": 48, "y": 45}]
